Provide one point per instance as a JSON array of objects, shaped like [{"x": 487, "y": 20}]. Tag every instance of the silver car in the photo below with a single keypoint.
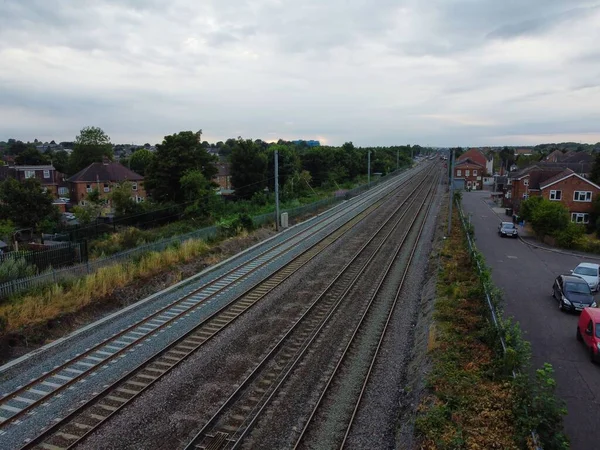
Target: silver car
[{"x": 507, "y": 229}]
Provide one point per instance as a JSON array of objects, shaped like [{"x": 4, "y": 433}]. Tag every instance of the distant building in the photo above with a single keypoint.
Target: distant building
[
  {"x": 310, "y": 143},
  {"x": 51, "y": 180}
]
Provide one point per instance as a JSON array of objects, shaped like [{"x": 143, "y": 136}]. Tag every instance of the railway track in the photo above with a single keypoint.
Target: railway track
[
  {"x": 236, "y": 417},
  {"x": 83, "y": 420},
  {"x": 346, "y": 385}
]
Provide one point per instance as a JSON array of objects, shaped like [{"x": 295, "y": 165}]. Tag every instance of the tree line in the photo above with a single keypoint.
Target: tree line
[{"x": 181, "y": 172}]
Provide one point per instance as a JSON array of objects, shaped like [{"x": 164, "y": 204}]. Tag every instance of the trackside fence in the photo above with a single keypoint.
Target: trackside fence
[
  {"x": 488, "y": 298},
  {"x": 57, "y": 275}
]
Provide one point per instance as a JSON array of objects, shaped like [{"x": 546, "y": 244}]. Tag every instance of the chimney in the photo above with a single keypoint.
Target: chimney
[{"x": 105, "y": 160}]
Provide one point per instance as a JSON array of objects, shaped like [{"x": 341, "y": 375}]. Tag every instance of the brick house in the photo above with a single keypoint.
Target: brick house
[
  {"x": 526, "y": 183},
  {"x": 572, "y": 190},
  {"x": 470, "y": 172},
  {"x": 51, "y": 180},
  {"x": 223, "y": 176},
  {"x": 104, "y": 177}
]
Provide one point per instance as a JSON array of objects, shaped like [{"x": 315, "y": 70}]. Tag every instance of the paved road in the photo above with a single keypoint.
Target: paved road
[{"x": 526, "y": 276}]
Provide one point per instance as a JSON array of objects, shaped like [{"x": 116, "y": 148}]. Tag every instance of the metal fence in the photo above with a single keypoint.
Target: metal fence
[
  {"x": 60, "y": 255},
  {"x": 56, "y": 275}
]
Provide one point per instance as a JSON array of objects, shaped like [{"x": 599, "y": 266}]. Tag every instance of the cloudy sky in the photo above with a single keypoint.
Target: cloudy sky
[{"x": 375, "y": 72}]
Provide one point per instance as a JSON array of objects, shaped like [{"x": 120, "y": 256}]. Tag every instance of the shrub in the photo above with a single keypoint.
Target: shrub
[
  {"x": 12, "y": 269},
  {"x": 547, "y": 217},
  {"x": 528, "y": 206},
  {"x": 570, "y": 236}
]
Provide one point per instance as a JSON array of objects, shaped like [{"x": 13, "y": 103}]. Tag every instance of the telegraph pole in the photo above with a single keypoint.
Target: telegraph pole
[
  {"x": 369, "y": 168},
  {"x": 276, "y": 191},
  {"x": 397, "y": 158},
  {"x": 451, "y": 192}
]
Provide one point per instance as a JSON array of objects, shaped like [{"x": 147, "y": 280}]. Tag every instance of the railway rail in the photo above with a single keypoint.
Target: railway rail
[
  {"x": 347, "y": 383},
  {"x": 83, "y": 420},
  {"x": 235, "y": 418}
]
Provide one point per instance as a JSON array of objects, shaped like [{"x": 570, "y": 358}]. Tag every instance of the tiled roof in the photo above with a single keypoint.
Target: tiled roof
[
  {"x": 468, "y": 161},
  {"x": 112, "y": 171},
  {"x": 556, "y": 177},
  {"x": 578, "y": 157}
]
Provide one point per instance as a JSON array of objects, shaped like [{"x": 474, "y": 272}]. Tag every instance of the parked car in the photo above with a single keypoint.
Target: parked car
[
  {"x": 507, "y": 229},
  {"x": 588, "y": 331},
  {"x": 572, "y": 293},
  {"x": 590, "y": 272}
]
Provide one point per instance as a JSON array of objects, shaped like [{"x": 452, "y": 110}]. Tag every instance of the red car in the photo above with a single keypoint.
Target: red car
[{"x": 588, "y": 331}]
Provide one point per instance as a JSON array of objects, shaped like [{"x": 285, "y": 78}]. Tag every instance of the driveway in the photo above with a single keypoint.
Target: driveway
[{"x": 526, "y": 275}]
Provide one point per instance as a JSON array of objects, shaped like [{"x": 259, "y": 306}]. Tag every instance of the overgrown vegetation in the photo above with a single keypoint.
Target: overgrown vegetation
[
  {"x": 474, "y": 401},
  {"x": 58, "y": 299}
]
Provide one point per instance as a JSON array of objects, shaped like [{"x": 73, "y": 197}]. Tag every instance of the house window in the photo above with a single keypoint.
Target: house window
[
  {"x": 63, "y": 191},
  {"x": 134, "y": 186},
  {"x": 82, "y": 202},
  {"x": 106, "y": 187},
  {"x": 467, "y": 172},
  {"x": 580, "y": 217},
  {"x": 474, "y": 173},
  {"x": 46, "y": 174},
  {"x": 44, "y": 189},
  {"x": 525, "y": 196},
  {"x": 88, "y": 188},
  {"x": 526, "y": 182},
  {"x": 139, "y": 199},
  {"x": 582, "y": 196},
  {"x": 555, "y": 195},
  {"x": 30, "y": 174}
]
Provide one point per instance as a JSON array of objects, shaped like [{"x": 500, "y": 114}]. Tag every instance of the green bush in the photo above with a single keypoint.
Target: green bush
[
  {"x": 12, "y": 269},
  {"x": 547, "y": 217},
  {"x": 570, "y": 236},
  {"x": 528, "y": 206}
]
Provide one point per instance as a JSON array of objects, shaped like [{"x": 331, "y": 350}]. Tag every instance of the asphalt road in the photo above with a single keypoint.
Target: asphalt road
[{"x": 526, "y": 274}]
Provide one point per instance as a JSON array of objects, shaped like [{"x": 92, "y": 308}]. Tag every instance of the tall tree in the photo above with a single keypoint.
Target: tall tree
[
  {"x": 248, "y": 168},
  {"x": 178, "y": 153},
  {"x": 31, "y": 157},
  {"x": 140, "y": 160},
  {"x": 595, "y": 173},
  {"x": 91, "y": 146},
  {"x": 60, "y": 160},
  {"x": 289, "y": 162},
  {"x": 25, "y": 203}
]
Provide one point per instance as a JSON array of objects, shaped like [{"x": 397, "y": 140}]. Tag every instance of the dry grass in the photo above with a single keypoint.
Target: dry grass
[{"x": 38, "y": 308}]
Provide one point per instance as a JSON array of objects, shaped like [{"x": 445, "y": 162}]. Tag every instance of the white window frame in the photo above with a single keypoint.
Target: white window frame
[
  {"x": 587, "y": 196},
  {"x": 525, "y": 196},
  {"x": 88, "y": 188},
  {"x": 63, "y": 190},
  {"x": 106, "y": 187},
  {"x": 556, "y": 195},
  {"x": 82, "y": 202},
  {"x": 474, "y": 172},
  {"x": 30, "y": 174},
  {"x": 46, "y": 173},
  {"x": 526, "y": 182},
  {"x": 585, "y": 218},
  {"x": 134, "y": 186},
  {"x": 467, "y": 172}
]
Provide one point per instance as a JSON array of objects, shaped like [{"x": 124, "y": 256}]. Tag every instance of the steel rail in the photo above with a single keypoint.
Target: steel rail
[
  {"x": 275, "y": 350},
  {"x": 189, "y": 349},
  {"x": 346, "y": 350},
  {"x": 56, "y": 384}
]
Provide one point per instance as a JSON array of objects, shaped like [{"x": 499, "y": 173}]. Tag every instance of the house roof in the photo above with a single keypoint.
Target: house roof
[
  {"x": 112, "y": 171},
  {"x": 537, "y": 175},
  {"x": 556, "y": 155},
  {"x": 224, "y": 169},
  {"x": 474, "y": 155},
  {"x": 563, "y": 176},
  {"x": 41, "y": 167},
  {"x": 578, "y": 157},
  {"x": 468, "y": 161},
  {"x": 581, "y": 168}
]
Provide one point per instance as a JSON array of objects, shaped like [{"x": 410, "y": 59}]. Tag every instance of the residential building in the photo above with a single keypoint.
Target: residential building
[
  {"x": 523, "y": 152},
  {"x": 470, "y": 172},
  {"x": 104, "y": 177},
  {"x": 223, "y": 176},
  {"x": 555, "y": 156},
  {"x": 526, "y": 183},
  {"x": 51, "y": 180},
  {"x": 574, "y": 191},
  {"x": 309, "y": 143}
]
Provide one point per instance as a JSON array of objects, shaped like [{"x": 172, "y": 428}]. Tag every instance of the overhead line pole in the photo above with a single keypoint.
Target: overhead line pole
[
  {"x": 451, "y": 192},
  {"x": 369, "y": 168},
  {"x": 276, "y": 191}
]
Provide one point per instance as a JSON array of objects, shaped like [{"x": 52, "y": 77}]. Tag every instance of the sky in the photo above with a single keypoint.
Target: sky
[{"x": 374, "y": 72}]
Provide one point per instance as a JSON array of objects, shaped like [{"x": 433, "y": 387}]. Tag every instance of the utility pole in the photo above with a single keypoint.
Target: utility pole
[
  {"x": 451, "y": 192},
  {"x": 369, "y": 168},
  {"x": 397, "y": 158},
  {"x": 276, "y": 191}
]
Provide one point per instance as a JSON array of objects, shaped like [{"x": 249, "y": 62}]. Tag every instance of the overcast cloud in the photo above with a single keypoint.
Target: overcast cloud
[{"x": 375, "y": 72}]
